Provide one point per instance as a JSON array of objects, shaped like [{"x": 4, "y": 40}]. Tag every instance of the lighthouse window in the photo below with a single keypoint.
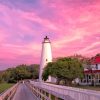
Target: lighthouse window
[{"x": 46, "y": 59}]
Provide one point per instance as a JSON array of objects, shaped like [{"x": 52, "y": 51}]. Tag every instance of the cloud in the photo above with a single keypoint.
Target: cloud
[
  {"x": 91, "y": 47},
  {"x": 73, "y": 27}
]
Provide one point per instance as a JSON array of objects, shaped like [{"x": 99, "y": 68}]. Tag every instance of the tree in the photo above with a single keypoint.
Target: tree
[
  {"x": 12, "y": 75},
  {"x": 21, "y": 72},
  {"x": 34, "y": 69},
  {"x": 98, "y": 54},
  {"x": 7, "y": 74},
  {"x": 65, "y": 69},
  {"x": 1, "y": 76}
]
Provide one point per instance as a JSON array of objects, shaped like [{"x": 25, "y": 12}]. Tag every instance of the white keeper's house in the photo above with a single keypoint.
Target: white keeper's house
[{"x": 92, "y": 71}]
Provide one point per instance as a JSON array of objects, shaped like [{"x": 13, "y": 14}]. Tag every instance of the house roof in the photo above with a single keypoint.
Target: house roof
[{"x": 96, "y": 60}]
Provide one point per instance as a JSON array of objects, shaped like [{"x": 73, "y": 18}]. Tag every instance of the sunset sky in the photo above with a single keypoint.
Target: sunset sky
[{"x": 73, "y": 26}]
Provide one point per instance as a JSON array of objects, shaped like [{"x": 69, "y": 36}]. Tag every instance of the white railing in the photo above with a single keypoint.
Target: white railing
[
  {"x": 36, "y": 92},
  {"x": 8, "y": 94},
  {"x": 68, "y": 93}
]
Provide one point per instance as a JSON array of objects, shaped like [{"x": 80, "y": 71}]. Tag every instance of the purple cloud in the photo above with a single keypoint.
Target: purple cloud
[{"x": 73, "y": 27}]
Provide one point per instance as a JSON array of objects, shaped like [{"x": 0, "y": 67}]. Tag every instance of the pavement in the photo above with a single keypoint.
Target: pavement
[{"x": 24, "y": 93}]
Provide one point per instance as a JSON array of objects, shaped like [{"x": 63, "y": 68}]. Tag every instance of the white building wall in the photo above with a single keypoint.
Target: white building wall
[
  {"x": 46, "y": 56},
  {"x": 98, "y": 66},
  {"x": 93, "y": 67}
]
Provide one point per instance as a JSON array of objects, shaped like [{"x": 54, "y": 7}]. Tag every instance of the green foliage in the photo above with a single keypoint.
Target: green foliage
[
  {"x": 21, "y": 72},
  {"x": 12, "y": 75},
  {"x": 98, "y": 54},
  {"x": 34, "y": 69},
  {"x": 64, "y": 69},
  {"x": 1, "y": 78}
]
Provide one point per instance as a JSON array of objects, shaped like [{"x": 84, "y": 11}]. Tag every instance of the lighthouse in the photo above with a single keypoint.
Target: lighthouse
[{"x": 46, "y": 56}]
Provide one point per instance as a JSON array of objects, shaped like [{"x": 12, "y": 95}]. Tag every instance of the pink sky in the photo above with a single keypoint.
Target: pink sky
[{"x": 73, "y": 26}]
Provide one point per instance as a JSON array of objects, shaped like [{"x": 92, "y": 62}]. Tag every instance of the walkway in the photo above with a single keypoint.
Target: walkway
[{"x": 24, "y": 93}]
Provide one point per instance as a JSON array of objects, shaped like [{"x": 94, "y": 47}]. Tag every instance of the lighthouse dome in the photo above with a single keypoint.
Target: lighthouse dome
[{"x": 46, "y": 40}]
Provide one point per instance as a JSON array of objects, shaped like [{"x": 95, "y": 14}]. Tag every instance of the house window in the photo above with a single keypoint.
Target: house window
[
  {"x": 96, "y": 66},
  {"x": 89, "y": 76}
]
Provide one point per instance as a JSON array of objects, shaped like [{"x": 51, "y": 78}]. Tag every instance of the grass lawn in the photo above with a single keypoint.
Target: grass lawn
[{"x": 4, "y": 86}]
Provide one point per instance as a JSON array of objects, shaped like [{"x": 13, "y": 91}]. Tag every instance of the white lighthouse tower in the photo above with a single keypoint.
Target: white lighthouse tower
[{"x": 46, "y": 56}]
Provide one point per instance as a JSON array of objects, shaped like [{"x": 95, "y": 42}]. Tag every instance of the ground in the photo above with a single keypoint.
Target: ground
[
  {"x": 4, "y": 86},
  {"x": 24, "y": 93}
]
